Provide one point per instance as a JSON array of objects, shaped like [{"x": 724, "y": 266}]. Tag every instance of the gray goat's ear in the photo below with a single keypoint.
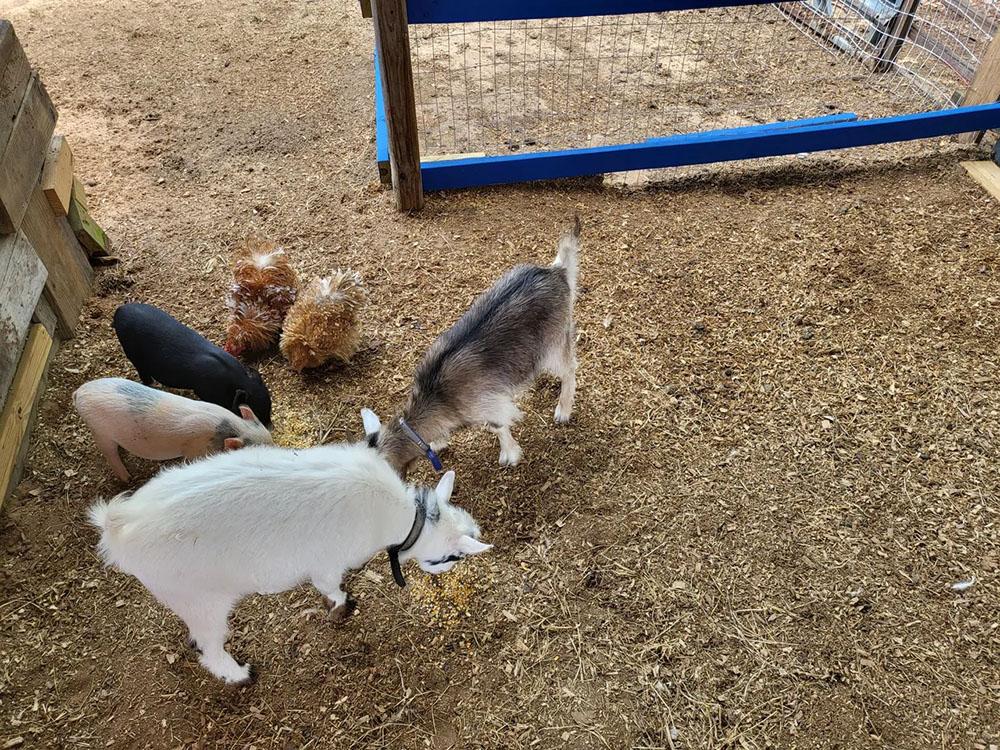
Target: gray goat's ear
[
  {"x": 445, "y": 486},
  {"x": 371, "y": 422}
]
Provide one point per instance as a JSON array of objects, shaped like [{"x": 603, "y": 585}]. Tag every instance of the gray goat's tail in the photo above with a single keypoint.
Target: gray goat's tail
[{"x": 568, "y": 252}]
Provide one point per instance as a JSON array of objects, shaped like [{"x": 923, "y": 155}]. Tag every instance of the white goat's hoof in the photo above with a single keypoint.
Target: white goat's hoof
[
  {"x": 563, "y": 415},
  {"x": 511, "y": 457},
  {"x": 231, "y": 673},
  {"x": 344, "y": 611},
  {"x": 240, "y": 676}
]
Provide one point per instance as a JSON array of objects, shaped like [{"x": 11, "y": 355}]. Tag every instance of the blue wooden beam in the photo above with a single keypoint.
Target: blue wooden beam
[
  {"x": 466, "y": 11},
  {"x": 705, "y": 148},
  {"x": 381, "y": 131},
  {"x": 777, "y": 125}
]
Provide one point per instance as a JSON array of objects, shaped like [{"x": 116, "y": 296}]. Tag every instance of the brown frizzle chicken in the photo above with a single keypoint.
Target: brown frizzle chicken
[
  {"x": 324, "y": 322},
  {"x": 264, "y": 288}
]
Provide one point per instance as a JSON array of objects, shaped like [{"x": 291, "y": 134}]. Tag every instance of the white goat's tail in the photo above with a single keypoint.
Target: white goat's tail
[
  {"x": 107, "y": 516},
  {"x": 566, "y": 255}
]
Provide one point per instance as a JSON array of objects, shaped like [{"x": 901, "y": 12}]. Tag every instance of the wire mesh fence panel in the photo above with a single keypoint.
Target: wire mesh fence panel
[
  {"x": 933, "y": 47},
  {"x": 515, "y": 86}
]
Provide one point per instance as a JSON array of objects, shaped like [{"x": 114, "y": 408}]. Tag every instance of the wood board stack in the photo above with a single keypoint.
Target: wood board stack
[{"x": 46, "y": 242}]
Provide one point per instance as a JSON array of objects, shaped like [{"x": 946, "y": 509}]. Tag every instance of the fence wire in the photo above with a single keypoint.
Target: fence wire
[{"x": 503, "y": 87}]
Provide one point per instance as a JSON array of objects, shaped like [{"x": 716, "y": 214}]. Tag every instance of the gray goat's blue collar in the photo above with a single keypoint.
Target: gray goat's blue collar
[{"x": 422, "y": 445}]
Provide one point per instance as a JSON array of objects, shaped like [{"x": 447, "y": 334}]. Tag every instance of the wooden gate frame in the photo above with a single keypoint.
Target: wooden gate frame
[{"x": 397, "y": 137}]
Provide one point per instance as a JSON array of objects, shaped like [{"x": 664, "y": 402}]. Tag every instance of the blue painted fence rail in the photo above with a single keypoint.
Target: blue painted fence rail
[
  {"x": 705, "y": 148},
  {"x": 467, "y": 11},
  {"x": 776, "y": 125},
  {"x": 381, "y": 129}
]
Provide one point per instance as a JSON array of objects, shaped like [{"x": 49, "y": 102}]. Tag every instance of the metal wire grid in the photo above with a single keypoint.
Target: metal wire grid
[
  {"x": 934, "y": 46},
  {"x": 503, "y": 87}
]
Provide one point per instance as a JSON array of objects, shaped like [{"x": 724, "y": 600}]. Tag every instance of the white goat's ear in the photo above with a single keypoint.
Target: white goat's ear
[
  {"x": 469, "y": 546},
  {"x": 370, "y": 421},
  {"x": 445, "y": 486}
]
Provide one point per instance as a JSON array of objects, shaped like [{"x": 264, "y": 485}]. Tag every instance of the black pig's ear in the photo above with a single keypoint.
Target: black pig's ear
[{"x": 240, "y": 398}]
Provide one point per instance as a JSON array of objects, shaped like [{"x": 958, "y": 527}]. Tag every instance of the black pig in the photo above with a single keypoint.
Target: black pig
[{"x": 167, "y": 351}]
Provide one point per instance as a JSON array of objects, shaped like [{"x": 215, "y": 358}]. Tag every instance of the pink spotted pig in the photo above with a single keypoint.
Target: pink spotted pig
[{"x": 158, "y": 425}]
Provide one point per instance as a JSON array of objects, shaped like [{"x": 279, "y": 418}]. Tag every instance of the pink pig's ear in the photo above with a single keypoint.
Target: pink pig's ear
[
  {"x": 247, "y": 413},
  {"x": 232, "y": 444}
]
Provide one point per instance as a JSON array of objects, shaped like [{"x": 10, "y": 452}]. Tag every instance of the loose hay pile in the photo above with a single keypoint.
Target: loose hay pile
[
  {"x": 446, "y": 599},
  {"x": 295, "y": 429}
]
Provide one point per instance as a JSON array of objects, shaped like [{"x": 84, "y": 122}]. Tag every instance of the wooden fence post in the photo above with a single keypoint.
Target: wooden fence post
[
  {"x": 393, "y": 43},
  {"x": 985, "y": 86},
  {"x": 895, "y": 34}
]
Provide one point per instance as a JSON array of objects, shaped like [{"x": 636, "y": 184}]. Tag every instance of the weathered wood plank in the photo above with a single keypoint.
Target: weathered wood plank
[
  {"x": 45, "y": 315},
  {"x": 22, "y": 160},
  {"x": 894, "y": 35},
  {"x": 70, "y": 275},
  {"x": 79, "y": 191},
  {"x": 393, "y": 43},
  {"x": 15, "y": 420},
  {"x": 57, "y": 175},
  {"x": 92, "y": 238},
  {"x": 22, "y": 277},
  {"x": 451, "y": 157},
  {"x": 985, "y": 86},
  {"x": 22, "y": 454},
  {"x": 986, "y": 173},
  {"x": 15, "y": 73}
]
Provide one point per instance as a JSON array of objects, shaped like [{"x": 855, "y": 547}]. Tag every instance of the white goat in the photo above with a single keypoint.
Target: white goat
[{"x": 263, "y": 520}]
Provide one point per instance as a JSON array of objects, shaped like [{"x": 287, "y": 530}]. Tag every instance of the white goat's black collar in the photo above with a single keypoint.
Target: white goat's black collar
[{"x": 420, "y": 517}]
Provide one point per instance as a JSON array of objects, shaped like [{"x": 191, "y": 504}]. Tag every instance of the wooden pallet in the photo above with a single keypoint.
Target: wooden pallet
[
  {"x": 19, "y": 409},
  {"x": 45, "y": 274}
]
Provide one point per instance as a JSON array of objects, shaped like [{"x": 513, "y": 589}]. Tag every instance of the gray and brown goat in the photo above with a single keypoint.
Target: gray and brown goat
[{"x": 474, "y": 372}]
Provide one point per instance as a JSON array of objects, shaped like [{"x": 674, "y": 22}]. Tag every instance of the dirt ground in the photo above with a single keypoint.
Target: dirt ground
[{"x": 784, "y": 451}]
